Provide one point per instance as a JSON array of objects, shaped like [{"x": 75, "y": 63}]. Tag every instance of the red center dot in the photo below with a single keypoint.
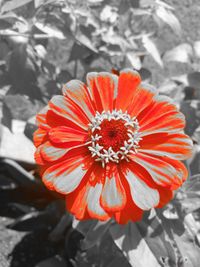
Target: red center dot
[{"x": 113, "y": 134}]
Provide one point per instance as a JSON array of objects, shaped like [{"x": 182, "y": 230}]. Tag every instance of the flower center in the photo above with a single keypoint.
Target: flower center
[{"x": 114, "y": 135}]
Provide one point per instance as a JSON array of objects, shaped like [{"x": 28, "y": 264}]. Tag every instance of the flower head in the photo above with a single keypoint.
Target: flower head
[{"x": 113, "y": 147}]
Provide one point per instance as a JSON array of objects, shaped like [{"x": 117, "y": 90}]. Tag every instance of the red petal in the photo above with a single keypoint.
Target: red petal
[
  {"x": 181, "y": 171},
  {"x": 160, "y": 116},
  {"x": 38, "y": 157},
  {"x": 176, "y": 146},
  {"x": 165, "y": 196},
  {"x": 129, "y": 81},
  {"x": 143, "y": 196},
  {"x": 113, "y": 197},
  {"x": 93, "y": 201},
  {"x": 41, "y": 119},
  {"x": 84, "y": 202},
  {"x": 78, "y": 92},
  {"x": 130, "y": 212},
  {"x": 164, "y": 171},
  {"x": 103, "y": 87},
  {"x": 76, "y": 202},
  {"x": 142, "y": 99},
  {"x": 51, "y": 153},
  {"x": 153, "y": 108},
  {"x": 65, "y": 134},
  {"x": 66, "y": 176},
  {"x": 39, "y": 137},
  {"x": 66, "y": 108},
  {"x": 54, "y": 120}
]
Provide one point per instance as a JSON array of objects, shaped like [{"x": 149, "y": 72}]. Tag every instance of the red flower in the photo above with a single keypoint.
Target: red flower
[{"x": 112, "y": 147}]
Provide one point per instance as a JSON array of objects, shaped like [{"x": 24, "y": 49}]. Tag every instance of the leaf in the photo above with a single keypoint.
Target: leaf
[
  {"x": 172, "y": 89},
  {"x": 170, "y": 212},
  {"x": 145, "y": 74},
  {"x": 30, "y": 221},
  {"x": 63, "y": 76},
  {"x": 196, "y": 47},
  {"x": 181, "y": 53},
  {"x": 112, "y": 38},
  {"x": 134, "y": 59},
  {"x": 38, "y": 3},
  {"x": 152, "y": 49},
  {"x": 23, "y": 71},
  {"x": 190, "y": 199},
  {"x": 167, "y": 87},
  {"x": 6, "y": 117},
  {"x": 112, "y": 50},
  {"x": 72, "y": 243},
  {"x": 194, "y": 79},
  {"x": 30, "y": 128},
  {"x": 118, "y": 262},
  {"x": 165, "y": 5},
  {"x": 78, "y": 51},
  {"x": 95, "y": 2},
  {"x": 20, "y": 107},
  {"x": 180, "y": 79},
  {"x": 50, "y": 31},
  {"x": 196, "y": 135},
  {"x": 104, "y": 255},
  {"x": 133, "y": 245},
  {"x": 22, "y": 25},
  {"x": 13, "y": 4},
  {"x": 7, "y": 183},
  {"x": 4, "y": 24},
  {"x": 41, "y": 51},
  {"x": 22, "y": 208},
  {"x": 109, "y": 14},
  {"x": 192, "y": 184},
  {"x": 142, "y": 12},
  {"x": 158, "y": 241},
  {"x": 146, "y": 3},
  {"x": 14, "y": 38},
  {"x": 135, "y": 3},
  {"x": 169, "y": 18},
  {"x": 83, "y": 226},
  {"x": 191, "y": 203},
  {"x": 95, "y": 233},
  {"x": 184, "y": 241},
  {"x": 191, "y": 80},
  {"x": 39, "y": 219},
  {"x": 10, "y": 16},
  {"x": 11, "y": 146},
  {"x": 58, "y": 232},
  {"x": 19, "y": 175},
  {"x": 56, "y": 261},
  {"x": 192, "y": 226},
  {"x": 85, "y": 41},
  {"x": 190, "y": 111}
]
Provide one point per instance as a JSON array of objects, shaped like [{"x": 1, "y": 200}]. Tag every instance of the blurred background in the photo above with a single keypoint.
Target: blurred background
[{"x": 44, "y": 44}]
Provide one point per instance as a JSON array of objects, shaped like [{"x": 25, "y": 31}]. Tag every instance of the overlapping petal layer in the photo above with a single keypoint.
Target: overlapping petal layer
[
  {"x": 128, "y": 87},
  {"x": 130, "y": 184},
  {"x": 176, "y": 146}
]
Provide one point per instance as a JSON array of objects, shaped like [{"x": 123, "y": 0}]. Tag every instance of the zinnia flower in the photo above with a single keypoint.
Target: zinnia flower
[{"x": 113, "y": 147}]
